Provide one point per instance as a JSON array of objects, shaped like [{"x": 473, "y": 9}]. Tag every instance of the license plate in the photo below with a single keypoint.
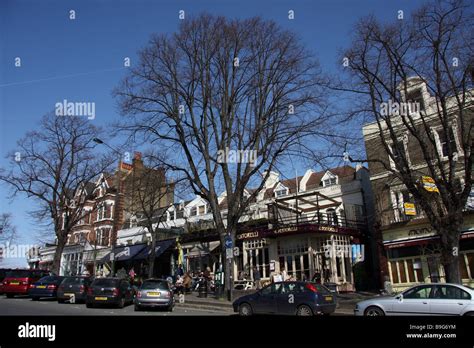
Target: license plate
[
  {"x": 14, "y": 283},
  {"x": 328, "y": 298},
  {"x": 101, "y": 298},
  {"x": 41, "y": 287},
  {"x": 68, "y": 294},
  {"x": 153, "y": 294}
]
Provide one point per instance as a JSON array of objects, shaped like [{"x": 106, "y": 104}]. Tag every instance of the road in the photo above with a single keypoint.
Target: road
[{"x": 25, "y": 306}]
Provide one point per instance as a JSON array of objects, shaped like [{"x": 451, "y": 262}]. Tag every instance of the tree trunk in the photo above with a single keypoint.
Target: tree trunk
[
  {"x": 151, "y": 259},
  {"x": 450, "y": 254},
  {"x": 229, "y": 263},
  {"x": 62, "y": 239}
]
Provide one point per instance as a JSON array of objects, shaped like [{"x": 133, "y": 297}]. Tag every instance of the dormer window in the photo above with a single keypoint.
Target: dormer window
[
  {"x": 416, "y": 96},
  {"x": 282, "y": 191},
  {"x": 329, "y": 182},
  {"x": 193, "y": 211}
]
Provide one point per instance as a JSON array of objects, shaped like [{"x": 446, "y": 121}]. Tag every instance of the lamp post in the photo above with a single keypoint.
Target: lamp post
[{"x": 117, "y": 201}]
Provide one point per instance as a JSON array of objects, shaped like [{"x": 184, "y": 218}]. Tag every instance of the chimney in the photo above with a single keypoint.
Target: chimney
[{"x": 137, "y": 160}]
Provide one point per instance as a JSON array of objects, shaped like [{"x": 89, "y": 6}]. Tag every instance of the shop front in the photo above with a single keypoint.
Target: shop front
[
  {"x": 302, "y": 252},
  {"x": 197, "y": 256},
  {"x": 413, "y": 255},
  {"x": 72, "y": 261}
]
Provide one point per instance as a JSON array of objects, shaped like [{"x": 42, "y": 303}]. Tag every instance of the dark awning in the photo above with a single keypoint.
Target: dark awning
[
  {"x": 160, "y": 247},
  {"x": 123, "y": 253}
]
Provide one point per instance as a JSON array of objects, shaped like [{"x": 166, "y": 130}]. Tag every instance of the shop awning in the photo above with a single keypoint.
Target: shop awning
[
  {"x": 200, "y": 249},
  {"x": 160, "y": 247},
  {"x": 124, "y": 253}
]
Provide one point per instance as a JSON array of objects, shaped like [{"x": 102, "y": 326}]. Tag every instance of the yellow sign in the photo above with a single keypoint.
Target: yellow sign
[
  {"x": 409, "y": 208},
  {"x": 429, "y": 184}
]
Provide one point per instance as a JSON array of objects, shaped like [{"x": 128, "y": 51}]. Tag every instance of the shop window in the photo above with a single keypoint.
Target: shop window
[
  {"x": 470, "y": 263},
  {"x": 411, "y": 271},
  {"x": 394, "y": 272},
  {"x": 463, "y": 267},
  {"x": 403, "y": 275}
]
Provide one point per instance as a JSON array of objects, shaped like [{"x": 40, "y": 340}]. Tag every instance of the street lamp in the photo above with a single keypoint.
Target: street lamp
[{"x": 117, "y": 200}]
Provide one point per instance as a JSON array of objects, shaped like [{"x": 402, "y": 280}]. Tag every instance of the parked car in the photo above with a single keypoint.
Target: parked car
[
  {"x": 3, "y": 273},
  {"x": 18, "y": 281},
  {"x": 45, "y": 287},
  {"x": 154, "y": 293},
  {"x": 115, "y": 291},
  {"x": 288, "y": 298},
  {"x": 73, "y": 287},
  {"x": 425, "y": 299}
]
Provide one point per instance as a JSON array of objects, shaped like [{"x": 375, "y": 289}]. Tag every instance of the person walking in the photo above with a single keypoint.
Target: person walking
[{"x": 257, "y": 278}]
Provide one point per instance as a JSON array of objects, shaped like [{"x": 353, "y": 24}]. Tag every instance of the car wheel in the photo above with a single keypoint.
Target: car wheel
[
  {"x": 121, "y": 303},
  {"x": 170, "y": 308},
  {"x": 10, "y": 295},
  {"x": 137, "y": 308},
  {"x": 374, "y": 311},
  {"x": 35, "y": 298},
  {"x": 304, "y": 310},
  {"x": 469, "y": 314},
  {"x": 245, "y": 310},
  {"x": 61, "y": 301},
  {"x": 89, "y": 305}
]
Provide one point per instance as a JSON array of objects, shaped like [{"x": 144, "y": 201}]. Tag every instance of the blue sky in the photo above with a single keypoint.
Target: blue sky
[{"x": 82, "y": 59}]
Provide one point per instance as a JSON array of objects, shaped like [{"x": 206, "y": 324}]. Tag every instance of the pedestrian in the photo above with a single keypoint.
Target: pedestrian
[
  {"x": 187, "y": 282},
  {"x": 131, "y": 274},
  {"x": 257, "y": 278},
  {"x": 284, "y": 275},
  {"x": 180, "y": 270},
  {"x": 316, "y": 277}
]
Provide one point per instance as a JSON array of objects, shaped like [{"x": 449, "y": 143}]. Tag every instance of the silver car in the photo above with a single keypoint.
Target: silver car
[
  {"x": 154, "y": 293},
  {"x": 425, "y": 299}
]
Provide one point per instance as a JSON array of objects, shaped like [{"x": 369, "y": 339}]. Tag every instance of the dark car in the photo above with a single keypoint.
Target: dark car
[
  {"x": 115, "y": 291},
  {"x": 288, "y": 298},
  {"x": 18, "y": 281},
  {"x": 154, "y": 293},
  {"x": 3, "y": 273},
  {"x": 45, "y": 287},
  {"x": 73, "y": 289}
]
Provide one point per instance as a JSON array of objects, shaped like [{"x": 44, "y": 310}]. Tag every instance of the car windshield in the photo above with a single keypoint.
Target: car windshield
[
  {"x": 19, "y": 274},
  {"x": 73, "y": 280},
  {"x": 105, "y": 282},
  {"x": 155, "y": 284}
]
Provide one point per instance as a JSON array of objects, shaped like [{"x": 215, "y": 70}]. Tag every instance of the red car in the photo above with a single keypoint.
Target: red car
[
  {"x": 3, "y": 273},
  {"x": 17, "y": 281}
]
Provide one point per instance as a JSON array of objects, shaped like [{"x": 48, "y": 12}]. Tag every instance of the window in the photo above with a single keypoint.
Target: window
[
  {"x": 416, "y": 96},
  {"x": 180, "y": 214},
  {"x": 449, "y": 293},
  {"x": 202, "y": 209},
  {"x": 398, "y": 151},
  {"x": 418, "y": 292},
  {"x": 330, "y": 182},
  {"x": 446, "y": 142},
  {"x": 332, "y": 217},
  {"x": 281, "y": 192},
  {"x": 171, "y": 213},
  {"x": 193, "y": 211},
  {"x": 271, "y": 289}
]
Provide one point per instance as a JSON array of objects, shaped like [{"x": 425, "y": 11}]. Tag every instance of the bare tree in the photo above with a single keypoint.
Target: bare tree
[
  {"x": 52, "y": 166},
  {"x": 387, "y": 63},
  {"x": 218, "y": 85},
  {"x": 7, "y": 231},
  {"x": 150, "y": 195}
]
